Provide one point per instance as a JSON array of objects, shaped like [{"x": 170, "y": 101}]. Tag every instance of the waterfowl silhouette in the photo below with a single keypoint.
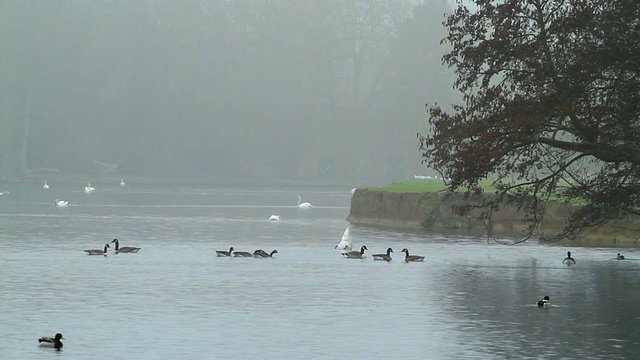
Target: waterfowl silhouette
[
  {"x": 385, "y": 257},
  {"x": 544, "y": 302},
  {"x": 411, "y": 258},
  {"x": 124, "y": 249},
  {"x": 355, "y": 254},
  {"x": 569, "y": 260},
  {"x": 53, "y": 342},
  {"x": 225, "y": 253},
  {"x": 98, "y": 251}
]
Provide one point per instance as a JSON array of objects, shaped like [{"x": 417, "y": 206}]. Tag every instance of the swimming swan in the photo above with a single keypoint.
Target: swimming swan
[
  {"x": 569, "y": 260},
  {"x": 61, "y": 203},
  {"x": 304, "y": 205},
  {"x": 385, "y": 257},
  {"x": 274, "y": 218},
  {"x": 98, "y": 252},
  {"x": 411, "y": 258},
  {"x": 45, "y": 186},
  {"x": 345, "y": 243},
  {"x": 53, "y": 342},
  {"x": 124, "y": 249},
  {"x": 122, "y": 183}
]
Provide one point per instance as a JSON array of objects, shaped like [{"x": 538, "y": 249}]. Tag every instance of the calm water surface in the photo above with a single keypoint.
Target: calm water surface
[{"x": 176, "y": 300}]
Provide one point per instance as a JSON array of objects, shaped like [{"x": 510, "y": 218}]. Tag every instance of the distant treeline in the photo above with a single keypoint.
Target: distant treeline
[{"x": 291, "y": 90}]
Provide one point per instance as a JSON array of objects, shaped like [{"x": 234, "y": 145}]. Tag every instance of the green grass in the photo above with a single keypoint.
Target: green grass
[{"x": 420, "y": 186}]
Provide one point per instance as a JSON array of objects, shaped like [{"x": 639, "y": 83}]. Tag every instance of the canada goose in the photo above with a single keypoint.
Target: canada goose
[
  {"x": 385, "y": 257},
  {"x": 410, "y": 258},
  {"x": 355, "y": 254},
  {"x": 98, "y": 252},
  {"x": 45, "y": 186},
  {"x": 225, "y": 253},
  {"x": 242, "y": 254},
  {"x": 53, "y": 342},
  {"x": 61, "y": 203},
  {"x": 620, "y": 257},
  {"x": 263, "y": 254},
  {"x": 569, "y": 260},
  {"x": 274, "y": 218},
  {"x": 124, "y": 249},
  {"x": 544, "y": 302},
  {"x": 304, "y": 205}
]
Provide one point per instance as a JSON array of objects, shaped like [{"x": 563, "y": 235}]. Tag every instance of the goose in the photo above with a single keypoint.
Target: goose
[
  {"x": 544, "y": 302},
  {"x": 345, "y": 243},
  {"x": 98, "y": 252},
  {"x": 355, "y": 254},
  {"x": 620, "y": 257},
  {"x": 263, "y": 254},
  {"x": 224, "y": 253},
  {"x": 303, "y": 205},
  {"x": 569, "y": 260},
  {"x": 385, "y": 257},
  {"x": 45, "y": 186},
  {"x": 122, "y": 183},
  {"x": 411, "y": 258},
  {"x": 88, "y": 189},
  {"x": 124, "y": 249},
  {"x": 61, "y": 203},
  {"x": 53, "y": 342},
  {"x": 242, "y": 254},
  {"x": 274, "y": 218}
]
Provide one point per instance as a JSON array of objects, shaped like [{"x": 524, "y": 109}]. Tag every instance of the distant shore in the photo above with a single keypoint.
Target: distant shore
[{"x": 430, "y": 212}]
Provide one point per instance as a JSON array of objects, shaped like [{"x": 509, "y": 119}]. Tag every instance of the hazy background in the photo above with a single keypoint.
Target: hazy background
[{"x": 295, "y": 91}]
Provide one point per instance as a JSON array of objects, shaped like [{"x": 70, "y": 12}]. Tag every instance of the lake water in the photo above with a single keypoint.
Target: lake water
[{"x": 176, "y": 300}]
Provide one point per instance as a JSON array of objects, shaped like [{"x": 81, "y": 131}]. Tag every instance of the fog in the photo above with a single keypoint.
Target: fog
[{"x": 279, "y": 91}]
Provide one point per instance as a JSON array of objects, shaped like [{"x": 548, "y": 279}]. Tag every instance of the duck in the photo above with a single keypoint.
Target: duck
[
  {"x": 303, "y": 205},
  {"x": 61, "y": 203},
  {"x": 274, "y": 217},
  {"x": 242, "y": 254},
  {"x": 220, "y": 253},
  {"x": 97, "y": 251},
  {"x": 355, "y": 254},
  {"x": 569, "y": 260},
  {"x": 544, "y": 302},
  {"x": 411, "y": 258},
  {"x": 385, "y": 257},
  {"x": 122, "y": 183},
  {"x": 124, "y": 249},
  {"x": 45, "y": 186},
  {"x": 88, "y": 189},
  {"x": 263, "y": 254},
  {"x": 620, "y": 257},
  {"x": 53, "y": 342}
]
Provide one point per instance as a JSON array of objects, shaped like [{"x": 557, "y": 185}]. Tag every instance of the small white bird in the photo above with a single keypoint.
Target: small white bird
[
  {"x": 274, "y": 218},
  {"x": 122, "y": 183},
  {"x": 61, "y": 203},
  {"x": 45, "y": 186},
  {"x": 88, "y": 189}
]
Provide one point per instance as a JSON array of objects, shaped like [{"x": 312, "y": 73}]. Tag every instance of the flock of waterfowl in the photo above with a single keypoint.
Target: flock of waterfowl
[{"x": 257, "y": 254}]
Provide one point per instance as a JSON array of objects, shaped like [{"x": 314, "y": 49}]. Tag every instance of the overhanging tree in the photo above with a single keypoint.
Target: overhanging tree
[{"x": 551, "y": 97}]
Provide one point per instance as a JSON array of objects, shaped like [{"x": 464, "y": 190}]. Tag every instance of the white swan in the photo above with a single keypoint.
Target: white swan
[
  {"x": 353, "y": 191},
  {"x": 122, "y": 183},
  {"x": 304, "y": 205},
  {"x": 45, "y": 186},
  {"x": 88, "y": 189},
  {"x": 274, "y": 218},
  {"x": 345, "y": 243},
  {"x": 61, "y": 203}
]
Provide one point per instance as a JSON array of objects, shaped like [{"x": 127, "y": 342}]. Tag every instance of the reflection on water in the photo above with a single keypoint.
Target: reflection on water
[{"x": 176, "y": 299}]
